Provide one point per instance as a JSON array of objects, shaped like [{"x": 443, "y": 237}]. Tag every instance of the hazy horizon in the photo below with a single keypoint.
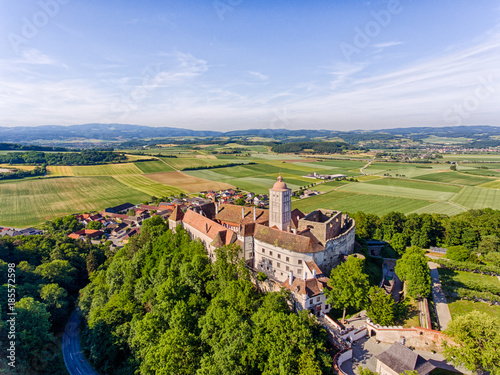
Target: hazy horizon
[{"x": 224, "y": 65}]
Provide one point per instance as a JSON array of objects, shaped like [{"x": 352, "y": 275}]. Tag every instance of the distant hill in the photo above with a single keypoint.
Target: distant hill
[
  {"x": 134, "y": 135},
  {"x": 107, "y": 132}
]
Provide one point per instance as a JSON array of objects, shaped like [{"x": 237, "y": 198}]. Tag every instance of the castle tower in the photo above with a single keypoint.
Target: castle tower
[{"x": 280, "y": 205}]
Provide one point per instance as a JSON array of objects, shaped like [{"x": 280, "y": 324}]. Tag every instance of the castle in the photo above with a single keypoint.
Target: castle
[{"x": 297, "y": 250}]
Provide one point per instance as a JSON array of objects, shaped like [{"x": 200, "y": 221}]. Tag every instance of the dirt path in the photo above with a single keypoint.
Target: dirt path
[
  {"x": 442, "y": 309},
  {"x": 362, "y": 169},
  {"x": 175, "y": 169}
]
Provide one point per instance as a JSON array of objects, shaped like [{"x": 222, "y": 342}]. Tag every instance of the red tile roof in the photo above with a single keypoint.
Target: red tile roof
[
  {"x": 177, "y": 215},
  {"x": 311, "y": 287},
  {"x": 302, "y": 242},
  {"x": 220, "y": 235},
  {"x": 229, "y": 213}
]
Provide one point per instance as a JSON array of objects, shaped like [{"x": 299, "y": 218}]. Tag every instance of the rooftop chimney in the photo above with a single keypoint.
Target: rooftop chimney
[
  {"x": 254, "y": 214},
  {"x": 216, "y": 208},
  {"x": 290, "y": 278},
  {"x": 206, "y": 227},
  {"x": 242, "y": 212},
  {"x": 314, "y": 273},
  {"x": 305, "y": 276}
]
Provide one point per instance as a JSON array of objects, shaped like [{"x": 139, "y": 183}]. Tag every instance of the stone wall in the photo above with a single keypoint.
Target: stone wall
[
  {"x": 417, "y": 337},
  {"x": 340, "y": 358},
  {"x": 335, "y": 249}
]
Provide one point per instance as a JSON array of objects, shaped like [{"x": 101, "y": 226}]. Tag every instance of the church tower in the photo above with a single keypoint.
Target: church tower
[{"x": 280, "y": 205}]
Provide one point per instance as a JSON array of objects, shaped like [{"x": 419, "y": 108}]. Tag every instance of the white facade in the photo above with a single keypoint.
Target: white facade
[{"x": 280, "y": 205}]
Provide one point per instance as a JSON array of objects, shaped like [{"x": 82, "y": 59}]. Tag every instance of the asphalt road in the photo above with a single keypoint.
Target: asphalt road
[{"x": 76, "y": 364}]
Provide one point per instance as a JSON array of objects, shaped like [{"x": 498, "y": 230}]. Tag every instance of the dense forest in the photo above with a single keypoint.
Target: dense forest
[
  {"x": 86, "y": 157},
  {"x": 162, "y": 307},
  {"x": 50, "y": 270},
  {"x": 314, "y": 147},
  {"x": 18, "y": 147}
]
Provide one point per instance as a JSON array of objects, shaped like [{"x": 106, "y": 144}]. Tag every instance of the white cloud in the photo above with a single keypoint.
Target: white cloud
[
  {"x": 260, "y": 76},
  {"x": 387, "y": 44}
]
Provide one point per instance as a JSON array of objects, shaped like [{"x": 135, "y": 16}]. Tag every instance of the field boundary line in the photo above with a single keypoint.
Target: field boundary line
[{"x": 175, "y": 169}]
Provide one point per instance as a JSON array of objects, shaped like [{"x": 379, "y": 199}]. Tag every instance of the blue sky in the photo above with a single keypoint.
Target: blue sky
[{"x": 234, "y": 64}]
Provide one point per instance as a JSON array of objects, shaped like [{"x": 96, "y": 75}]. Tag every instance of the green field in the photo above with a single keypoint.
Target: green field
[
  {"x": 455, "y": 178},
  {"x": 413, "y": 184},
  {"x": 410, "y": 170},
  {"x": 353, "y": 202},
  {"x": 153, "y": 167},
  {"x": 148, "y": 186},
  {"x": 190, "y": 162},
  {"x": 491, "y": 185},
  {"x": 459, "y": 307},
  {"x": 31, "y": 202},
  {"x": 476, "y": 197},
  {"x": 106, "y": 170},
  {"x": 398, "y": 191},
  {"x": 445, "y": 208}
]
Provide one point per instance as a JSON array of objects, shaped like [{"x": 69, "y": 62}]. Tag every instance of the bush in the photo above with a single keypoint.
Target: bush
[
  {"x": 458, "y": 253},
  {"x": 469, "y": 266},
  {"x": 261, "y": 276}
]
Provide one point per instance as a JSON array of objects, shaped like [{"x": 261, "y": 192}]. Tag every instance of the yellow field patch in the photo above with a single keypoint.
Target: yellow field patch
[
  {"x": 21, "y": 167},
  {"x": 107, "y": 170},
  {"x": 60, "y": 170},
  {"x": 367, "y": 178},
  {"x": 186, "y": 182},
  {"x": 491, "y": 185},
  {"x": 133, "y": 157}
]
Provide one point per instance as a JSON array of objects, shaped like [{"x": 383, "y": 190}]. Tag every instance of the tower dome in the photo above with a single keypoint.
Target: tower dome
[{"x": 279, "y": 185}]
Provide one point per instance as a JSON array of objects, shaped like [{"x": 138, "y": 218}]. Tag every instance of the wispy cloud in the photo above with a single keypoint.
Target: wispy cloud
[
  {"x": 387, "y": 44},
  {"x": 260, "y": 76}
]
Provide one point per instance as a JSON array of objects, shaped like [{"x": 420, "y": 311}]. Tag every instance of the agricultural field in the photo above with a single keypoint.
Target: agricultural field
[
  {"x": 181, "y": 163},
  {"x": 60, "y": 170},
  {"x": 153, "y": 166},
  {"x": 476, "y": 197},
  {"x": 31, "y": 202},
  {"x": 353, "y": 202},
  {"x": 148, "y": 186},
  {"x": 186, "y": 182},
  {"x": 451, "y": 177},
  {"x": 412, "y": 170},
  {"x": 106, "y": 170},
  {"x": 398, "y": 191}
]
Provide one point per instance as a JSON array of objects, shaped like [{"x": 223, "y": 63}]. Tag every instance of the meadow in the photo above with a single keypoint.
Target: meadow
[
  {"x": 148, "y": 186},
  {"x": 31, "y": 202}
]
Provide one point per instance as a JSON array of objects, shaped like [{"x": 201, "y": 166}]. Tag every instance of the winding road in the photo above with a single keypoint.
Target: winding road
[{"x": 75, "y": 362}]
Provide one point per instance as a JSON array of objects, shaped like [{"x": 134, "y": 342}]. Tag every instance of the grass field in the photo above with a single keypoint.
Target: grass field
[
  {"x": 31, "y": 202},
  {"x": 491, "y": 185},
  {"x": 455, "y": 178},
  {"x": 106, "y": 170},
  {"x": 148, "y": 186},
  {"x": 60, "y": 170},
  {"x": 186, "y": 182},
  {"x": 409, "y": 170},
  {"x": 353, "y": 202},
  {"x": 153, "y": 166},
  {"x": 413, "y": 184},
  {"x": 398, "y": 191},
  {"x": 445, "y": 208},
  {"x": 463, "y": 307},
  {"x": 476, "y": 197},
  {"x": 193, "y": 162}
]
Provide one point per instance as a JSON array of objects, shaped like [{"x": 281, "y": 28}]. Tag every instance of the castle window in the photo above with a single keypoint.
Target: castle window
[
  {"x": 287, "y": 268},
  {"x": 271, "y": 253},
  {"x": 327, "y": 307},
  {"x": 279, "y": 256},
  {"x": 287, "y": 259},
  {"x": 317, "y": 299},
  {"x": 278, "y": 265},
  {"x": 300, "y": 261},
  {"x": 299, "y": 271},
  {"x": 263, "y": 251}
]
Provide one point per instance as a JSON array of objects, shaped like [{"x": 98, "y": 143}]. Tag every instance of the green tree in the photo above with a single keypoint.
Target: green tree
[
  {"x": 381, "y": 307},
  {"x": 458, "y": 253},
  {"x": 131, "y": 212},
  {"x": 54, "y": 296},
  {"x": 477, "y": 339},
  {"x": 33, "y": 325},
  {"x": 413, "y": 268},
  {"x": 349, "y": 285},
  {"x": 94, "y": 225},
  {"x": 489, "y": 244},
  {"x": 58, "y": 271},
  {"x": 398, "y": 243}
]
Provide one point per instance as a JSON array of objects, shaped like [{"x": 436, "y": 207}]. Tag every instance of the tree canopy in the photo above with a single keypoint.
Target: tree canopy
[
  {"x": 413, "y": 268},
  {"x": 476, "y": 345},
  {"x": 349, "y": 285}
]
